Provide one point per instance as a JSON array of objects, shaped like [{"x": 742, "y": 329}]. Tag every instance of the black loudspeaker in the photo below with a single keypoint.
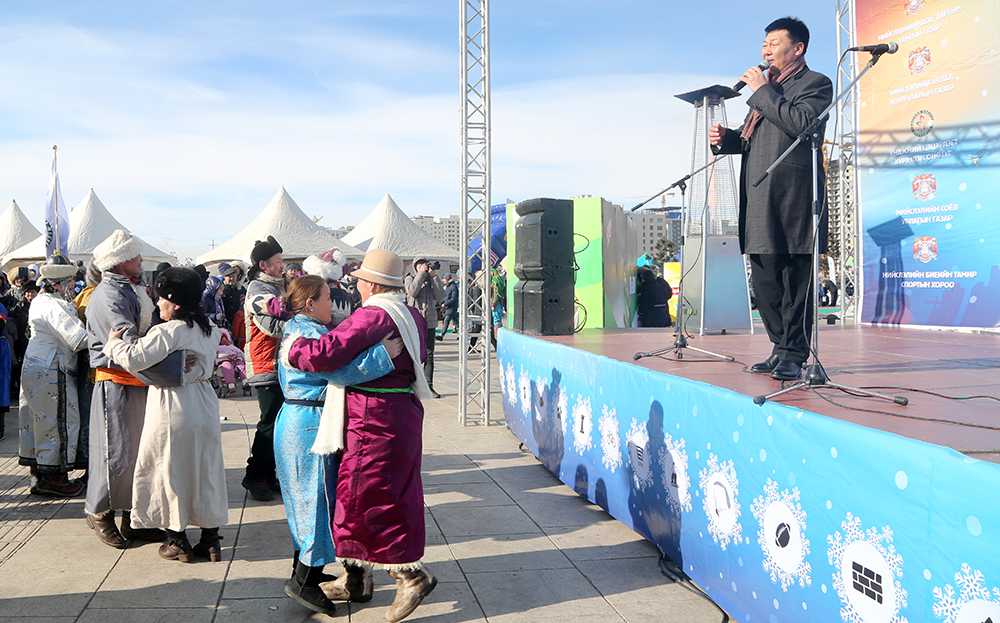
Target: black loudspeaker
[
  {"x": 542, "y": 308},
  {"x": 544, "y": 240}
]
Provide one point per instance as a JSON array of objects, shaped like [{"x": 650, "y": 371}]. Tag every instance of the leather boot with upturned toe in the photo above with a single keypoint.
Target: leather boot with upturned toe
[
  {"x": 411, "y": 588},
  {"x": 177, "y": 547},
  {"x": 765, "y": 367},
  {"x": 355, "y": 585},
  {"x": 107, "y": 532}
]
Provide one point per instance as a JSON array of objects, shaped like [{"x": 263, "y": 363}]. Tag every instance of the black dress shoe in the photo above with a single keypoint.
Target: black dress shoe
[
  {"x": 787, "y": 371},
  {"x": 765, "y": 367},
  {"x": 146, "y": 535}
]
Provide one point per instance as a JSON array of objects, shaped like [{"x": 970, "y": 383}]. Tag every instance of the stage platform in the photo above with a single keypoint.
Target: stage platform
[
  {"x": 798, "y": 509},
  {"x": 954, "y": 364}
]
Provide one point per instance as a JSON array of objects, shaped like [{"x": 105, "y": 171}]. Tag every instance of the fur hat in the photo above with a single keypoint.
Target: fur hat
[
  {"x": 264, "y": 250},
  {"x": 381, "y": 267},
  {"x": 181, "y": 286},
  {"x": 56, "y": 268},
  {"x": 119, "y": 247},
  {"x": 202, "y": 272},
  {"x": 330, "y": 271}
]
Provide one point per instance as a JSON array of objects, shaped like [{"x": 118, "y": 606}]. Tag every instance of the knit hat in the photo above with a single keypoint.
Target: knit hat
[
  {"x": 181, "y": 286},
  {"x": 381, "y": 267},
  {"x": 264, "y": 250},
  {"x": 119, "y": 247}
]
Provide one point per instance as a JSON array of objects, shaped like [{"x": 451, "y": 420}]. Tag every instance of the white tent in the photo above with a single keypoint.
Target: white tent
[
  {"x": 387, "y": 227},
  {"x": 15, "y": 229},
  {"x": 282, "y": 218},
  {"x": 90, "y": 223}
]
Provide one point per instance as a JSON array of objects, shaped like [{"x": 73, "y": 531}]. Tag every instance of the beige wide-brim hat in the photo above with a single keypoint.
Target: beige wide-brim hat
[
  {"x": 57, "y": 272},
  {"x": 381, "y": 267}
]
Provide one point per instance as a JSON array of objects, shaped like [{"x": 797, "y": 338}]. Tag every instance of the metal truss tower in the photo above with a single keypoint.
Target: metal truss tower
[
  {"x": 848, "y": 264},
  {"x": 474, "y": 295}
]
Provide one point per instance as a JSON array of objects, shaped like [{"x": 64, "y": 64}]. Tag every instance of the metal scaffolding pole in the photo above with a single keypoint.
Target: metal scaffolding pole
[
  {"x": 848, "y": 267},
  {"x": 474, "y": 295}
]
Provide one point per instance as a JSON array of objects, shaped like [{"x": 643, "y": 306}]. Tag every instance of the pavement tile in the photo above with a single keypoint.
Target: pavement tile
[
  {"x": 468, "y": 495},
  {"x": 143, "y": 615},
  {"x": 460, "y": 522},
  {"x": 600, "y": 541},
  {"x": 535, "y": 595},
  {"x": 507, "y": 552}
]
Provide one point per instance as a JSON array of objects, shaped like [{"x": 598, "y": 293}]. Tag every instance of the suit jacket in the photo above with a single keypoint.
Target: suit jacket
[{"x": 776, "y": 217}]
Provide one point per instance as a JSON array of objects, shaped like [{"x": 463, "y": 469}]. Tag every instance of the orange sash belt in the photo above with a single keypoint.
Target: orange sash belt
[{"x": 118, "y": 377}]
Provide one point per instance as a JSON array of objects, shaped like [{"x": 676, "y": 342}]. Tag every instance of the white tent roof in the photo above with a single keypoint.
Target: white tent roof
[
  {"x": 282, "y": 218},
  {"x": 90, "y": 223},
  {"x": 387, "y": 227},
  {"x": 15, "y": 229}
]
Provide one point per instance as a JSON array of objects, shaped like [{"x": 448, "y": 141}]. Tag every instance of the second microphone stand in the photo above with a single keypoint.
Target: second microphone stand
[{"x": 680, "y": 337}]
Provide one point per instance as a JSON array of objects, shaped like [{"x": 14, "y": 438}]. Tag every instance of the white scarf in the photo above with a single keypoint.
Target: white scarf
[{"x": 330, "y": 435}]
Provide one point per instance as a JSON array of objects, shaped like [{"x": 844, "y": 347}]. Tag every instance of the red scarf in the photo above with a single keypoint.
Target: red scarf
[{"x": 755, "y": 116}]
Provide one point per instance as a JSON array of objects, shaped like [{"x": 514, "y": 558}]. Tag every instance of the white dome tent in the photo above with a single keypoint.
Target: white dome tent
[
  {"x": 282, "y": 218},
  {"x": 90, "y": 223},
  {"x": 15, "y": 229},
  {"x": 387, "y": 227}
]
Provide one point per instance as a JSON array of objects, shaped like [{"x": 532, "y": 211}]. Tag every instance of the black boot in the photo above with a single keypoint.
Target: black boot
[
  {"x": 177, "y": 547},
  {"x": 322, "y": 578},
  {"x": 209, "y": 546},
  {"x": 146, "y": 535},
  {"x": 303, "y": 588}
]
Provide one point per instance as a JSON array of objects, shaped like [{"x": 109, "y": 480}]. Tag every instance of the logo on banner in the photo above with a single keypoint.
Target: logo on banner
[
  {"x": 867, "y": 572},
  {"x": 675, "y": 478},
  {"x": 912, "y": 6},
  {"x": 919, "y": 59},
  {"x": 720, "y": 499},
  {"x": 973, "y": 602},
  {"x": 781, "y": 535},
  {"x": 925, "y": 249},
  {"x": 924, "y": 187},
  {"x": 922, "y": 123}
]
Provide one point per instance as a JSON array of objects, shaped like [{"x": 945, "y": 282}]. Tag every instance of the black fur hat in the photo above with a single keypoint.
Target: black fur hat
[
  {"x": 264, "y": 250},
  {"x": 181, "y": 286}
]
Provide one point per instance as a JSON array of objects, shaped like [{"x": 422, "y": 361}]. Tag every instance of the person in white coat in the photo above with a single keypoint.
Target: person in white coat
[
  {"x": 180, "y": 479},
  {"x": 49, "y": 415}
]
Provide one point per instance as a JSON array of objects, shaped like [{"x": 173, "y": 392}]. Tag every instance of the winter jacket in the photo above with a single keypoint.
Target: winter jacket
[
  {"x": 263, "y": 330},
  {"x": 424, "y": 291}
]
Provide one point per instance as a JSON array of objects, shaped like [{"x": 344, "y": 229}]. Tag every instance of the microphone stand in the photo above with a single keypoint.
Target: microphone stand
[
  {"x": 680, "y": 339},
  {"x": 815, "y": 374}
]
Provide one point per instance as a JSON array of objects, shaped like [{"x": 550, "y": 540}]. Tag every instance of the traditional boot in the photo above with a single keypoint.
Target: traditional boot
[
  {"x": 147, "y": 535},
  {"x": 210, "y": 545},
  {"x": 411, "y": 588},
  {"x": 177, "y": 547},
  {"x": 107, "y": 532},
  {"x": 56, "y": 486},
  {"x": 303, "y": 588},
  {"x": 322, "y": 578},
  {"x": 356, "y": 585}
]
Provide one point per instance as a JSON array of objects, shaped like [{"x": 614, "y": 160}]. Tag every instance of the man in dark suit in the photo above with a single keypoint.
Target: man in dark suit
[{"x": 776, "y": 217}]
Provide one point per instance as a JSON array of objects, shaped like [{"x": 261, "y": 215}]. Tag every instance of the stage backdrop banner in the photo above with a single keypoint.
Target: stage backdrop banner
[
  {"x": 779, "y": 514},
  {"x": 928, "y": 163}
]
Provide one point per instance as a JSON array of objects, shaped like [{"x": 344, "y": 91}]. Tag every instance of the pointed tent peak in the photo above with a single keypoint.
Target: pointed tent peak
[
  {"x": 13, "y": 205},
  {"x": 15, "y": 229}
]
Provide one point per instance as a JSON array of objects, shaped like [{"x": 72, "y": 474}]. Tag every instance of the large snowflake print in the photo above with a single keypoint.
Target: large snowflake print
[
  {"x": 503, "y": 381},
  {"x": 782, "y": 535},
  {"x": 637, "y": 440},
  {"x": 583, "y": 425},
  {"x": 542, "y": 387},
  {"x": 720, "y": 499},
  {"x": 611, "y": 443},
  {"x": 674, "y": 476},
  {"x": 866, "y": 573},
  {"x": 511, "y": 385},
  {"x": 974, "y": 603},
  {"x": 524, "y": 390},
  {"x": 562, "y": 410}
]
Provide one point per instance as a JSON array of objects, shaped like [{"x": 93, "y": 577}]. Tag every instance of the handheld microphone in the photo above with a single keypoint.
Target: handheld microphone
[
  {"x": 882, "y": 48},
  {"x": 763, "y": 67}
]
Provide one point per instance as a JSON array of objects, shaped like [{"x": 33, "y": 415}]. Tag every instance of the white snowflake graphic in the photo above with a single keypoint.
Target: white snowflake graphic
[
  {"x": 974, "y": 601},
  {"x": 674, "y": 459},
  {"x": 511, "y": 385},
  {"x": 858, "y": 552},
  {"x": 782, "y": 535},
  {"x": 583, "y": 425},
  {"x": 720, "y": 499},
  {"x": 525, "y": 390},
  {"x": 542, "y": 387},
  {"x": 562, "y": 410},
  {"x": 611, "y": 444},
  {"x": 637, "y": 440},
  {"x": 503, "y": 381}
]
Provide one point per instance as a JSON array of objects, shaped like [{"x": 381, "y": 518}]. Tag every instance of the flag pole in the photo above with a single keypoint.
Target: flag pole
[{"x": 55, "y": 168}]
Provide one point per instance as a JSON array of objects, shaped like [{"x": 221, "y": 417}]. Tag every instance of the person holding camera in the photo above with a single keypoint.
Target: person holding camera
[{"x": 425, "y": 292}]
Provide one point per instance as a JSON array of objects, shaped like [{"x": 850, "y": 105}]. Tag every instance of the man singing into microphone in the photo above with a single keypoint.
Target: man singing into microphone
[{"x": 776, "y": 217}]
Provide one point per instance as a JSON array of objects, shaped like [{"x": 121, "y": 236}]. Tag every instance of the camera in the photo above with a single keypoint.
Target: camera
[{"x": 435, "y": 265}]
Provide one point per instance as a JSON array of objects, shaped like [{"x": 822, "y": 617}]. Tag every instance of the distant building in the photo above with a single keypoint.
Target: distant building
[
  {"x": 446, "y": 229},
  {"x": 340, "y": 232}
]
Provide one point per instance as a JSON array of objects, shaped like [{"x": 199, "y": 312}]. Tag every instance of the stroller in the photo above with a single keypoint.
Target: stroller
[{"x": 230, "y": 368}]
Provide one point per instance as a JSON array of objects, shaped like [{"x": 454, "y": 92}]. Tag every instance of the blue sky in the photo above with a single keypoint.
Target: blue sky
[{"x": 186, "y": 117}]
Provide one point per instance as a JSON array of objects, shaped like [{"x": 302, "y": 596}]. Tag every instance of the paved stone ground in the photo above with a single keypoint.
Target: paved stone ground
[{"x": 506, "y": 540}]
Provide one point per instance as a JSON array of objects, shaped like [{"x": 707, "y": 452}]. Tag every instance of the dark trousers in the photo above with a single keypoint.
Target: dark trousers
[
  {"x": 260, "y": 465},
  {"x": 429, "y": 364},
  {"x": 450, "y": 316},
  {"x": 781, "y": 284}
]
